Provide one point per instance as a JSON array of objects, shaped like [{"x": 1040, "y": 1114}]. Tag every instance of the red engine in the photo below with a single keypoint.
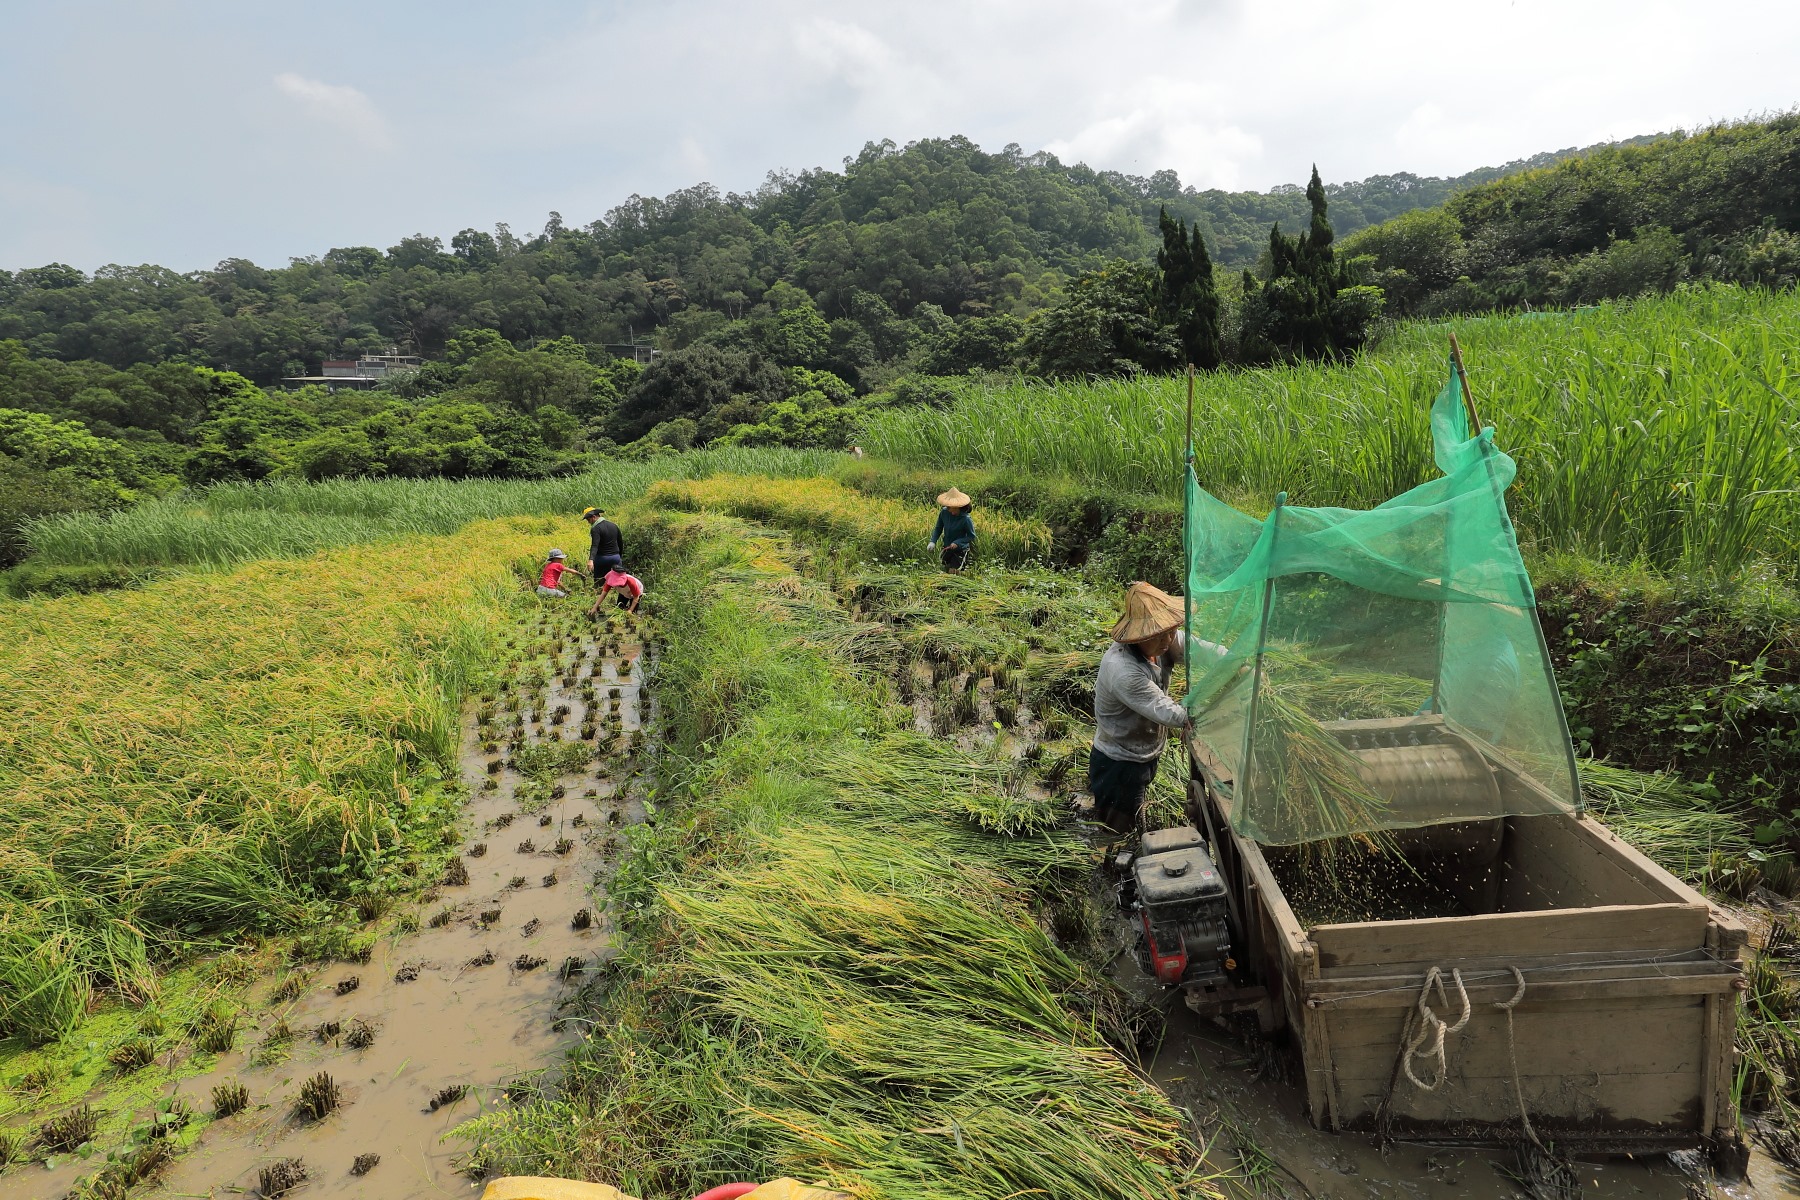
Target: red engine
[{"x": 1179, "y": 899}]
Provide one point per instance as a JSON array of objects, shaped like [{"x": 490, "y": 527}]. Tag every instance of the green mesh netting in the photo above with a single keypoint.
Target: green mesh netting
[{"x": 1356, "y": 671}]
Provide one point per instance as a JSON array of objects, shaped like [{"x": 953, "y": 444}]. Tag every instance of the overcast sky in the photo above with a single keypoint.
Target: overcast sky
[{"x": 182, "y": 133}]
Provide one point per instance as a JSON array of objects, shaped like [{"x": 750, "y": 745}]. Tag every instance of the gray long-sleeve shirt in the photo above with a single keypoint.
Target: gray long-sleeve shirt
[{"x": 1132, "y": 708}]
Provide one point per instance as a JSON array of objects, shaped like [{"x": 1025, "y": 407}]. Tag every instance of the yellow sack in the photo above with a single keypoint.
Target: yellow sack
[
  {"x": 538, "y": 1187},
  {"x": 790, "y": 1189}
]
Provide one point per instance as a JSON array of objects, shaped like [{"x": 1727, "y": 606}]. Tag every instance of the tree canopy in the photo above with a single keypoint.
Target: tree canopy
[
  {"x": 1722, "y": 203},
  {"x": 937, "y": 223}
]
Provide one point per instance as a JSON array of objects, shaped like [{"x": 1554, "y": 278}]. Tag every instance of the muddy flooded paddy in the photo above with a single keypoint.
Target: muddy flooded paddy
[{"x": 462, "y": 1013}]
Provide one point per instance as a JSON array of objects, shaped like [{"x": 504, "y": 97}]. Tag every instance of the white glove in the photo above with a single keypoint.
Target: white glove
[{"x": 931, "y": 545}]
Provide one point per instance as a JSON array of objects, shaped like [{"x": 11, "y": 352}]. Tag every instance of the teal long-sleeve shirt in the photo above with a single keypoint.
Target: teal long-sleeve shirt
[{"x": 953, "y": 529}]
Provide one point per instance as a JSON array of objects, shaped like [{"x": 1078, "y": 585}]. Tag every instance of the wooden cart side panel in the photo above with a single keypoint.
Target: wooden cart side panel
[
  {"x": 1296, "y": 958},
  {"x": 1397, "y": 945},
  {"x": 1290, "y": 938},
  {"x": 1729, "y": 933},
  {"x": 1556, "y": 862},
  {"x": 1719, "y": 1116},
  {"x": 1623, "y": 1064},
  {"x": 1667, "y": 1105},
  {"x": 1597, "y": 836},
  {"x": 1548, "y": 982}
]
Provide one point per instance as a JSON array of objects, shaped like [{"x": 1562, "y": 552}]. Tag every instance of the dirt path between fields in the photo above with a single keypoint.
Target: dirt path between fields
[{"x": 466, "y": 1007}]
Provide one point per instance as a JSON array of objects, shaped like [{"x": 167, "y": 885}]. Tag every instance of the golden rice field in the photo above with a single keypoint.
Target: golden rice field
[
  {"x": 222, "y": 752},
  {"x": 826, "y": 508}
]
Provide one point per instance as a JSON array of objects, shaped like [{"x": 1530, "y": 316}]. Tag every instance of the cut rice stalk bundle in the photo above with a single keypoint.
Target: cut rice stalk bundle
[{"x": 1313, "y": 782}]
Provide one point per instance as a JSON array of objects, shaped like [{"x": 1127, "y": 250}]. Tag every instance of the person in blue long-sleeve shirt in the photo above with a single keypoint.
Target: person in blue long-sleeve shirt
[{"x": 954, "y": 530}]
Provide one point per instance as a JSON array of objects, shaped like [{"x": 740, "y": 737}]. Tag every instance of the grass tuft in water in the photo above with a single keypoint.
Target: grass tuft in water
[
  {"x": 229, "y": 1098},
  {"x": 279, "y": 1178},
  {"x": 318, "y": 1098},
  {"x": 67, "y": 1131}
]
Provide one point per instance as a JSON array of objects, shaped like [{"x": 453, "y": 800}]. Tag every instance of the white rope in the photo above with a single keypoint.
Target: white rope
[
  {"x": 1512, "y": 1054},
  {"x": 1433, "y": 1029}
]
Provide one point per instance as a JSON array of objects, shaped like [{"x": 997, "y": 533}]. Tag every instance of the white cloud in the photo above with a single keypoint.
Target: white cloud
[
  {"x": 844, "y": 49},
  {"x": 340, "y": 106},
  {"x": 1166, "y": 123}
]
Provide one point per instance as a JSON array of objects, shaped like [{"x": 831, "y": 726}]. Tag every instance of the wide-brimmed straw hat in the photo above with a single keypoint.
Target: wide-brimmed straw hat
[
  {"x": 1148, "y": 612},
  {"x": 953, "y": 498}
]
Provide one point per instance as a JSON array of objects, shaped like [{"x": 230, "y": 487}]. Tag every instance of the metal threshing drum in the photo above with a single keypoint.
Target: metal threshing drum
[
  {"x": 1446, "y": 791},
  {"x": 1431, "y": 783}
]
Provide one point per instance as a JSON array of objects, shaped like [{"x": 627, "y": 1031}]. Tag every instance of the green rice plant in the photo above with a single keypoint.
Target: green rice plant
[
  {"x": 1303, "y": 778},
  {"x": 1658, "y": 429}
]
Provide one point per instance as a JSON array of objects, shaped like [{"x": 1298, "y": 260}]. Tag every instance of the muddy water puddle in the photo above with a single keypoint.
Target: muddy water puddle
[{"x": 467, "y": 1006}]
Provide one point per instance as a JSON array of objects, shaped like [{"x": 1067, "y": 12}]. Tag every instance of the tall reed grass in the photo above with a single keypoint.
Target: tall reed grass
[
  {"x": 235, "y": 523},
  {"x": 1660, "y": 429},
  {"x": 211, "y": 753}
]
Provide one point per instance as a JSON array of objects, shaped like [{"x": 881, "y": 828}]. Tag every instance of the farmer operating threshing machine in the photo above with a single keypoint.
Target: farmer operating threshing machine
[{"x": 1388, "y": 857}]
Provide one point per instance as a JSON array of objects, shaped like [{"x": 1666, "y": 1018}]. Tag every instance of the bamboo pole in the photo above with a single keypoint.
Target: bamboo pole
[
  {"x": 1562, "y": 718},
  {"x": 1462, "y": 377},
  {"x": 1187, "y": 562}
]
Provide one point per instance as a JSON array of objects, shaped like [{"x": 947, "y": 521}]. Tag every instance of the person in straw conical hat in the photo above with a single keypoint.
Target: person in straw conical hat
[
  {"x": 954, "y": 529},
  {"x": 1133, "y": 711}
]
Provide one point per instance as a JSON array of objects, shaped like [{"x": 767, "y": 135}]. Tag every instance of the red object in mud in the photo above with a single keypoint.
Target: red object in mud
[
  {"x": 728, "y": 1191},
  {"x": 1168, "y": 966}
]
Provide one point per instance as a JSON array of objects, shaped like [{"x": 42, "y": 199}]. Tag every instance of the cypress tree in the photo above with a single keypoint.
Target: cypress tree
[
  {"x": 1204, "y": 348},
  {"x": 1186, "y": 298},
  {"x": 1319, "y": 236},
  {"x": 1301, "y": 309}
]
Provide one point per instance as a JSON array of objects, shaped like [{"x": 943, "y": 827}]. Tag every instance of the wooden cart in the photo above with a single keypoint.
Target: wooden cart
[{"x": 1622, "y": 1040}]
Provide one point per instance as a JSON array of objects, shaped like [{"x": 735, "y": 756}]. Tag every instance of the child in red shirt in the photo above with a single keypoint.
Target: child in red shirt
[
  {"x": 550, "y": 582},
  {"x": 629, "y": 585}
]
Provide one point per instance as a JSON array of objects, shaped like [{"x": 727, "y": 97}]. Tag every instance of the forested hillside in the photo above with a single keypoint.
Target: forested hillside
[
  {"x": 939, "y": 223},
  {"x": 1622, "y": 220}
]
